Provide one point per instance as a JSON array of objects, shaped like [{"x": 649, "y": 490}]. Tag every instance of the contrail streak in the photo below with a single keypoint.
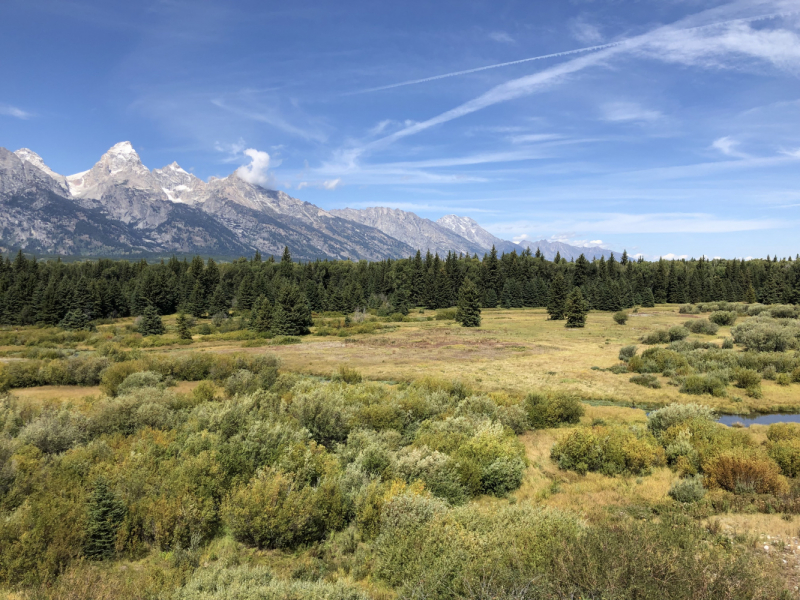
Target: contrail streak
[
  {"x": 496, "y": 66},
  {"x": 565, "y": 53}
]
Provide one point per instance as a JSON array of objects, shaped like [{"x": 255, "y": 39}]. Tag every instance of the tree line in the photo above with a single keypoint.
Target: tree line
[{"x": 45, "y": 291}]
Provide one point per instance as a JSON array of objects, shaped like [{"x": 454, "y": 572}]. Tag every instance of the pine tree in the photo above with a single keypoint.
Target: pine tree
[
  {"x": 506, "y": 297},
  {"x": 261, "y": 315},
  {"x": 648, "y": 301},
  {"x": 286, "y": 267},
  {"x": 576, "y": 309},
  {"x": 219, "y": 300},
  {"x": 75, "y": 320},
  {"x": 556, "y": 302},
  {"x": 291, "y": 314},
  {"x": 182, "y": 325},
  {"x": 468, "y": 312},
  {"x": 105, "y": 515},
  {"x": 150, "y": 323},
  {"x": 750, "y": 295}
]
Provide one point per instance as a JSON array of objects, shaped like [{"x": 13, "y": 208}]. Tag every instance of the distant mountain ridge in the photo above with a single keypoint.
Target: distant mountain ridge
[{"x": 119, "y": 207}]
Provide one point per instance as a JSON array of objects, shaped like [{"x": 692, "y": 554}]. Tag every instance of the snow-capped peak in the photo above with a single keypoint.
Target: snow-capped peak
[
  {"x": 123, "y": 148},
  {"x": 34, "y": 159}
]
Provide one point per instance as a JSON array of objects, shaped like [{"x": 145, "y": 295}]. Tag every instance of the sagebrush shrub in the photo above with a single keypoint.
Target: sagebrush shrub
[
  {"x": 687, "y": 490},
  {"x": 723, "y": 317},
  {"x": 649, "y": 381},
  {"x": 662, "y": 419},
  {"x": 743, "y": 470},
  {"x": 608, "y": 450},
  {"x": 621, "y": 317},
  {"x": 552, "y": 409},
  {"x": 627, "y": 352},
  {"x": 702, "y": 326}
]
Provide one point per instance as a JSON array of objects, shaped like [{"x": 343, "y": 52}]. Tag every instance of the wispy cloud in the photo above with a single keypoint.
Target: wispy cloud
[
  {"x": 269, "y": 118},
  {"x": 585, "y": 32},
  {"x": 501, "y": 36},
  {"x": 625, "y": 223},
  {"x": 697, "y": 40},
  {"x": 727, "y": 146},
  {"x": 617, "y": 112},
  {"x": 12, "y": 111}
]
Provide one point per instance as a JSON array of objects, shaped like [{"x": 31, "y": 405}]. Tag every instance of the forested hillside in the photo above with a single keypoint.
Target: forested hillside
[{"x": 33, "y": 291}]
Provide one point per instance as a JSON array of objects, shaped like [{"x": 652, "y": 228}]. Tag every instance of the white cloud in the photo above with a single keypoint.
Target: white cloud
[
  {"x": 332, "y": 184},
  {"x": 257, "y": 172},
  {"x": 302, "y": 184},
  {"x": 672, "y": 256},
  {"x": 12, "y": 111},
  {"x": 501, "y": 36},
  {"x": 596, "y": 242},
  {"x": 727, "y": 146},
  {"x": 585, "y": 32},
  {"x": 628, "y": 111}
]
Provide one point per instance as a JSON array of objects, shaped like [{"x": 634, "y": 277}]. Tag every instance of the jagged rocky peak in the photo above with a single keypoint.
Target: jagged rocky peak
[
  {"x": 179, "y": 185},
  {"x": 34, "y": 159},
  {"x": 120, "y": 164}
]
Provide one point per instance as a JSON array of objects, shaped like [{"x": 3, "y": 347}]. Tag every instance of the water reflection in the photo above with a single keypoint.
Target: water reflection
[{"x": 760, "y": 419}]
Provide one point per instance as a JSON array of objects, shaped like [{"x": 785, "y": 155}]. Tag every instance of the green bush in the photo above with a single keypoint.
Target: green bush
[
  {"x": 608, "y": 450},
  {"x": 649, "y": 381},
  {"x": 503, "y": 476},
  {"x": 659, "y": 360},
  {"x": 763, "y": 334},
  {"x": 552, "y": 409},
  {"x": 445, "y": 314},
  {"x": 627, "y": 352},
  {"x": 723, "y": 317},
  {"x": 703, "y": 384},
  {"x": 786, "y": 453},
  {"x": 656, "y": 337},
  {"x": 744, "y": 470},
  {"x": 677, "y": 333},
  {"x": 746, "y": 378},
  {"x": 687, "y": 490},
  {"x": 621, "y": 317},
  {"x": 140, "y": 380},
  {"x": 348, "y": 375},
  {"x": 659, "y": 421},
  {"x": 276, "y": 511},
  {"x": 701, "y": 326}
]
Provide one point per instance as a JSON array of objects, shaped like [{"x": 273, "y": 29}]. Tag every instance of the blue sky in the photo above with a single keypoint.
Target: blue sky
[{"x": 666, "y": 127}]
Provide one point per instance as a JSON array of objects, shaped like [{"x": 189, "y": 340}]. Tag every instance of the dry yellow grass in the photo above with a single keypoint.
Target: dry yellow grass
[{"x": 588, "y": 495}]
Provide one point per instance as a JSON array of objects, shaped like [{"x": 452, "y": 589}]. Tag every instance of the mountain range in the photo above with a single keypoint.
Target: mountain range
[{"x": 121, "y": 208}]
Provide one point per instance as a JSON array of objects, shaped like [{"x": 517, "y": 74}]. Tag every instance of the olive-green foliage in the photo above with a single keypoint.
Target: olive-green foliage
[
  {"x": 348, "y": 375},
  {"x": 664, "y": 336},
  {"x": 689, "y": 489},
  {"x": 703, "y": 326},
  {"x": 627, "y": 352},
  {"x": 723, "y": 317},
  {"x": 745, "y": 470},
  {"x": 552, "y": 409},
  {"x": 765, "y": 334},
  {"x": 522, "y": 551},
  {"x": 706, "y": 383},
  {"x": 649, "y": 381},
  {"x": 220, "y": 582},
  {"x": 140, "y": 380},
  {"x": 659, "y": 360},
  {"x": 621, "y": 317},
  {"x": 275, "y": 510},
  {"x": 608, "y": 450},
  {"x": 784, "y": 447},
  {"x": 662, "y": 419}
]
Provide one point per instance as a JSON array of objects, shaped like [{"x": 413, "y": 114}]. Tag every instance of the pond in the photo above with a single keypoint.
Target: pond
[{"x": 760, "y": 419}]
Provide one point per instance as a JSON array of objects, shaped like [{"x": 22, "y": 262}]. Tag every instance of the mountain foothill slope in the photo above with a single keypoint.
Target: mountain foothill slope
[{"x": 121, "y": 208}]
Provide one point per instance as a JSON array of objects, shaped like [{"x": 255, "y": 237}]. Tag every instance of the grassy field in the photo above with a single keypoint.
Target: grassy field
[{"x": 515, "y": 351}]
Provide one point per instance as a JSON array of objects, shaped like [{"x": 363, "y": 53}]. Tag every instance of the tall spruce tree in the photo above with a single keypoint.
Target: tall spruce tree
[
  {"x": 261, "y": 315},
  {"x": 150, "y": 322},
  {"x": 557, "y": 300},
  {"x": 468, "y": 312},
  {"x": 576, "y": 309},
  {"x": 182, "y": 326},
  {"x": 105, "y": 515}
]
